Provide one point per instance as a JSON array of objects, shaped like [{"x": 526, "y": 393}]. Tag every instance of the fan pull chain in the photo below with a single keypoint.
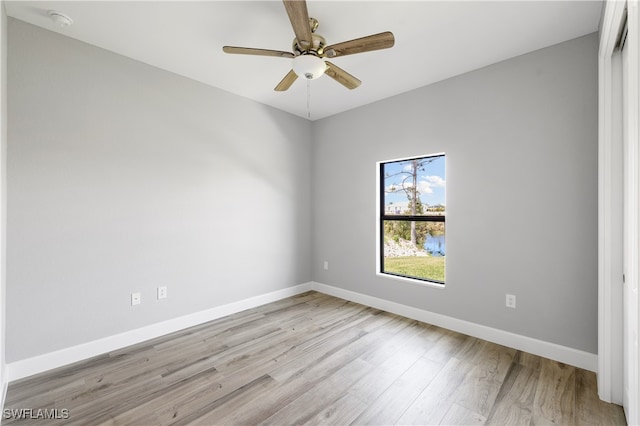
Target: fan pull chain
[{"x": 309, "y": 99}]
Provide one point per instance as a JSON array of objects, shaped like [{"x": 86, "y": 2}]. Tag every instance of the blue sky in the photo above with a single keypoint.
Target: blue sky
[{"x": 431, "y": 181}]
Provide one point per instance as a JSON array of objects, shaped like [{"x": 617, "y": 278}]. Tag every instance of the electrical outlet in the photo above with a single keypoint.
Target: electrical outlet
[
  {"x": 162, "y": 292},
  {"x": 135, "y": 299},
  {"x": 511, "y": 301},
  {"x": 326, "y": 265}
]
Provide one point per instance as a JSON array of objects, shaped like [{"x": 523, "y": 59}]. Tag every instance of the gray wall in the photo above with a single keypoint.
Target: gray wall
[
  {"x": 521, "y": 143},
  {"x": 123, "y": 177}
]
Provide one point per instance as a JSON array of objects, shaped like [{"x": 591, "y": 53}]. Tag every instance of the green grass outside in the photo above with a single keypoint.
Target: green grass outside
[{"x": 425, "y": 267}]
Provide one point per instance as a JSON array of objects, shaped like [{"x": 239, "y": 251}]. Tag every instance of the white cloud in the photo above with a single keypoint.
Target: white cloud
[
  {"x": 434, "y": 181},
  {"x": 425, "y": 187},
  {"x": 427, "y": 183}
]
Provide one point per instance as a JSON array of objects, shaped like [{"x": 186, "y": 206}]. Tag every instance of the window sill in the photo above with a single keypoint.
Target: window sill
[{"x": 411, "y": 281}]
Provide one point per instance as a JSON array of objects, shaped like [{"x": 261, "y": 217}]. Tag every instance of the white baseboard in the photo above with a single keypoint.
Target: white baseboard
[
  {"x": 577, "y": 358},
  {"x": 27, "y": 367},
  {"x": 38, "y": 364}
]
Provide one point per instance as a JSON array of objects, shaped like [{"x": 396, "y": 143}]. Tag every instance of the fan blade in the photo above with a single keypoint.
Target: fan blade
[
  {"x": 359, "y": 45},
  {"x": 341, "y": 76},
  {"x": 286, "y": 82},
  {"x": 260, "y": 52},
  {"x": 299, "y": 17}
]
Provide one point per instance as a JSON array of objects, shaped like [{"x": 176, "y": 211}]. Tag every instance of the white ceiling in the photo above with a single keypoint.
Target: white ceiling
[{"x": 435, "y": 40}]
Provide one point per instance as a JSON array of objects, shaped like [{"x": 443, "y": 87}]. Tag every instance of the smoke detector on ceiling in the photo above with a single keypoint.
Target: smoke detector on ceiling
[{"x": 60, "y": 18}]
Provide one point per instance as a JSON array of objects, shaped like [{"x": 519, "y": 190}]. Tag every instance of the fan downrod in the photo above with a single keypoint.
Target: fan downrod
[{"x": 317, "y": 42}]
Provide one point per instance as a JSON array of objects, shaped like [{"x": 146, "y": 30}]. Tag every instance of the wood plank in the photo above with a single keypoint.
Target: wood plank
[
  {"x": 435, "y": 400},
  {"x": 413, "y": 338},
  {"x": 310, "y": 403},
  {"x": 447, "y": 345},
  {"x": 480, "y": 388},
  {"x": 212, "y": 412},
  {"x": 372, "y": 385},
  {"x": 389, "y": 406},
  {"x": 459, "y": 415},
  {"x": 340, "y": 412},
  {"x": 554, "y": 402},
  {"x": 175, "y": 399},
  {"x": 528, "y": 360},
  {"x": 514, "y": 403}
]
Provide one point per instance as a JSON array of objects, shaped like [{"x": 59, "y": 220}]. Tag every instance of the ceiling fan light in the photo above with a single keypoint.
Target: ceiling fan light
[{"x": 309, "y": 66}]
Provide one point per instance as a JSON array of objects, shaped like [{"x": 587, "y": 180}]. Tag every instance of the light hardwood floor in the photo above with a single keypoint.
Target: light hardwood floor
[{"x": 315, "y": 359}]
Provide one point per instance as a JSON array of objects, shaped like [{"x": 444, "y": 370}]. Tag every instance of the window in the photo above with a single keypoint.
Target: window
[{"x": 412, "y": 218}]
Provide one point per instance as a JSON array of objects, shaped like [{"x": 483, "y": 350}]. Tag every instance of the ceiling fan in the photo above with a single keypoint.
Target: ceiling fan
[{"x": 310, "y": 49}]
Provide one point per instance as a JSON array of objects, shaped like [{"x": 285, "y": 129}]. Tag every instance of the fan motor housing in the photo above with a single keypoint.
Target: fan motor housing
[{"x": 317, "y": 46}]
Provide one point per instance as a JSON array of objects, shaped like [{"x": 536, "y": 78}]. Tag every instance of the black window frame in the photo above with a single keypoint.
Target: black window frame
[{"x": 406, "y": 218}]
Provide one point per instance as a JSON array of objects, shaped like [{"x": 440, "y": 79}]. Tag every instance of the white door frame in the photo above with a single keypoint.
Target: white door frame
[
  {"x": 610, "y": 164},
  {"x": 610, "y": 207},
  {"x": 631, "y": 249}
]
